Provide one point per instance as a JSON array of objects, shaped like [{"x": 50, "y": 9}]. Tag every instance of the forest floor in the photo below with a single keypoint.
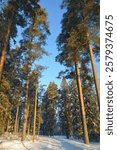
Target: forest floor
[{"x": 45, "y": 143}]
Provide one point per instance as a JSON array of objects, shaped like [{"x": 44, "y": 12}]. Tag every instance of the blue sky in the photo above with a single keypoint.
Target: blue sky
[
  {"x": 54, "y": 18},
  {"x": 55, "y": 14}
]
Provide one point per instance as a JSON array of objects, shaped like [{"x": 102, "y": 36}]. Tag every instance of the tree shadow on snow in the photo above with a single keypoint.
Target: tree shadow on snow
[{"x": 67, "y": 144}]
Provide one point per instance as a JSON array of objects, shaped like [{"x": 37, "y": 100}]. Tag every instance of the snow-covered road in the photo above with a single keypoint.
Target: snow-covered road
[
  {"x": 47, "y": 143},
  {"x": 61, "y": 143}
]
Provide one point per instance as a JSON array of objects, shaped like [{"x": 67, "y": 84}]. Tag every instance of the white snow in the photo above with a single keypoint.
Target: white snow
[{"x": 46, "y": 143}]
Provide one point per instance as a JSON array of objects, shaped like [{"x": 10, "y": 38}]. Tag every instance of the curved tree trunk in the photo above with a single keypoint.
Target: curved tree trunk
[
  {"x": 94, "y": 70},
  {"x": 82, "y": 107}
]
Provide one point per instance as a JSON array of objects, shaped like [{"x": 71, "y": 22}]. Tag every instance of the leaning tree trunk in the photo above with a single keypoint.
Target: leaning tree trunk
[
  {"x": 26, "y": 106},
  {"x": 82, "y": 107},
  {"x": 16, "y": 120},
  {"x": 94, "y": 70},
  {"x": 35, "y": 113},
  {"x": 5, "y": 44}
]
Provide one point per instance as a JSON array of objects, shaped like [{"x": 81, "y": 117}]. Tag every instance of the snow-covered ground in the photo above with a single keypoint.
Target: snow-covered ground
[{"x": 46, "y": 143}]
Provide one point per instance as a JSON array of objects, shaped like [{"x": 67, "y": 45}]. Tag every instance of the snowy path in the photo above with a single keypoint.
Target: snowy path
[{"x": 46, "y": 143}]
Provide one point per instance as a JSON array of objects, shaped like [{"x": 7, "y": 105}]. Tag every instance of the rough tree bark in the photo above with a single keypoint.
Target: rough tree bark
[
  {"x": 94, "y": 70},
  {"x": 3, "y": 51},
  {"x": 82, "y": 107}
]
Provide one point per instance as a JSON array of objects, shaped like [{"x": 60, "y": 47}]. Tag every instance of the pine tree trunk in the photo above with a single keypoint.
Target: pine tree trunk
[
  {"x": 17, "y": 130},
  {"x": 38, "y": 114},
  {"x": 28, "y": 130},
  {"x": 94, "y": 70},
  {"x": 26, "y": 108},
  {"x": 5, "y": 44},
  {"x": 82, "y": 107},
  {"x": 29, "y": 121},
  {"x": 7, "y": 128},
  {"x": 35, "y": 112},
  {"x": 16, "y": 120},
  {"x": 38, "y": 128}
]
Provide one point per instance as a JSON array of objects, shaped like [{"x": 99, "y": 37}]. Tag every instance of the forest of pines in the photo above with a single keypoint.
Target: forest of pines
[{"x": 26, "y": 106}]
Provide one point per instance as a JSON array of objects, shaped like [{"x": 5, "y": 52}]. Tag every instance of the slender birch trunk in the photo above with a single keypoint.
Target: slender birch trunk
[
  {"x": 94, "y": 70},
  {"x": 82, "y": 107}
]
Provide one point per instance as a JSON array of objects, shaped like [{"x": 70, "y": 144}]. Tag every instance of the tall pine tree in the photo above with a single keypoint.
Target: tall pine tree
[
  {"x": 65, "y": 115},
  {"x": 49, "y": 109}
]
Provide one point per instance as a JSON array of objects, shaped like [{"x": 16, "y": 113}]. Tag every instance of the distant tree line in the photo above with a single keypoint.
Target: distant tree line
[{"x": 61, "y": 111}]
